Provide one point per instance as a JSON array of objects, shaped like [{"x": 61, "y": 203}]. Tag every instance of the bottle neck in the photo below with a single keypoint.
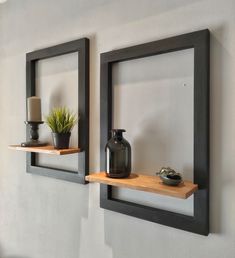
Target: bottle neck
[{"x": 117, "y": 134}]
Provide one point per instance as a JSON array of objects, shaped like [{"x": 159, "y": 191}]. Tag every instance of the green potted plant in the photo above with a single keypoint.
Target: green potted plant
[{"x": 61, "y": 121}]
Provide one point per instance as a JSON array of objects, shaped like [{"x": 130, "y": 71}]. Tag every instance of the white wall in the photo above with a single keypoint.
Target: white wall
[
  {"x": 42, "y": 217},
  {"x": 57, "y": 85},
  {"x": 153, "y": 101}
]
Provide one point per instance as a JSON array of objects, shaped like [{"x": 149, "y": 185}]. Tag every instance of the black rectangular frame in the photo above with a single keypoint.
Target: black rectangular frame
[
  {"x": 200, "y": 42},
  {"x": 82, "y": 47}
]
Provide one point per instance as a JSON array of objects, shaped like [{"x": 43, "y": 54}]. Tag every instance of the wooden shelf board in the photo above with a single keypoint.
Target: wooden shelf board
[
  {"x": 146, "y": 183},
  {"x": 45, "y": 149}
]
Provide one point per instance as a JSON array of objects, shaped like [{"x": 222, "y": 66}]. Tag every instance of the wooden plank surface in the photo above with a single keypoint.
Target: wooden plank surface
[
  {"x": 45, "y": 149},
  {"x": 146, "y": 183}
]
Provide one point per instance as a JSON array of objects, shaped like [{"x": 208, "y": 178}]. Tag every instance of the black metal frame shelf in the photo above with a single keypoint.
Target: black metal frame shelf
[
  {"x": 200, "y": 42},
  {"x": 82, "y": 47}
]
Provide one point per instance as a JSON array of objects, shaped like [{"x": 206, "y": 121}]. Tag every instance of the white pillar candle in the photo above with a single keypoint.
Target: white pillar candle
[{"x": 34, "y": 109}]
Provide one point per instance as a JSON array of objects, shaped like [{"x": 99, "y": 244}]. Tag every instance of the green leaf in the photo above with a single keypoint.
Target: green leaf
[{"x": 61, "y": 120}]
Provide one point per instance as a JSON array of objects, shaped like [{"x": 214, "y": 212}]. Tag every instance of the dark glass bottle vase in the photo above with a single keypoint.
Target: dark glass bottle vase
[{"x": 118, "y": 155}]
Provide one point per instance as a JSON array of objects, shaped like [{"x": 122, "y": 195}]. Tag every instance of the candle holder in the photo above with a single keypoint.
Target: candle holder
[{"x": 33, "y": 142}]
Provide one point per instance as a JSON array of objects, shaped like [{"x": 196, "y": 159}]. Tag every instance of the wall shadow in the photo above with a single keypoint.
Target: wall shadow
[
  {"x": 11, "y": 256},
  {"x": 219, "y": 62}
]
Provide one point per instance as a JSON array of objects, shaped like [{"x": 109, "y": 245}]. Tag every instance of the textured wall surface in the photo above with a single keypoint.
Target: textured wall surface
[{"x": 42, "y": 217}]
